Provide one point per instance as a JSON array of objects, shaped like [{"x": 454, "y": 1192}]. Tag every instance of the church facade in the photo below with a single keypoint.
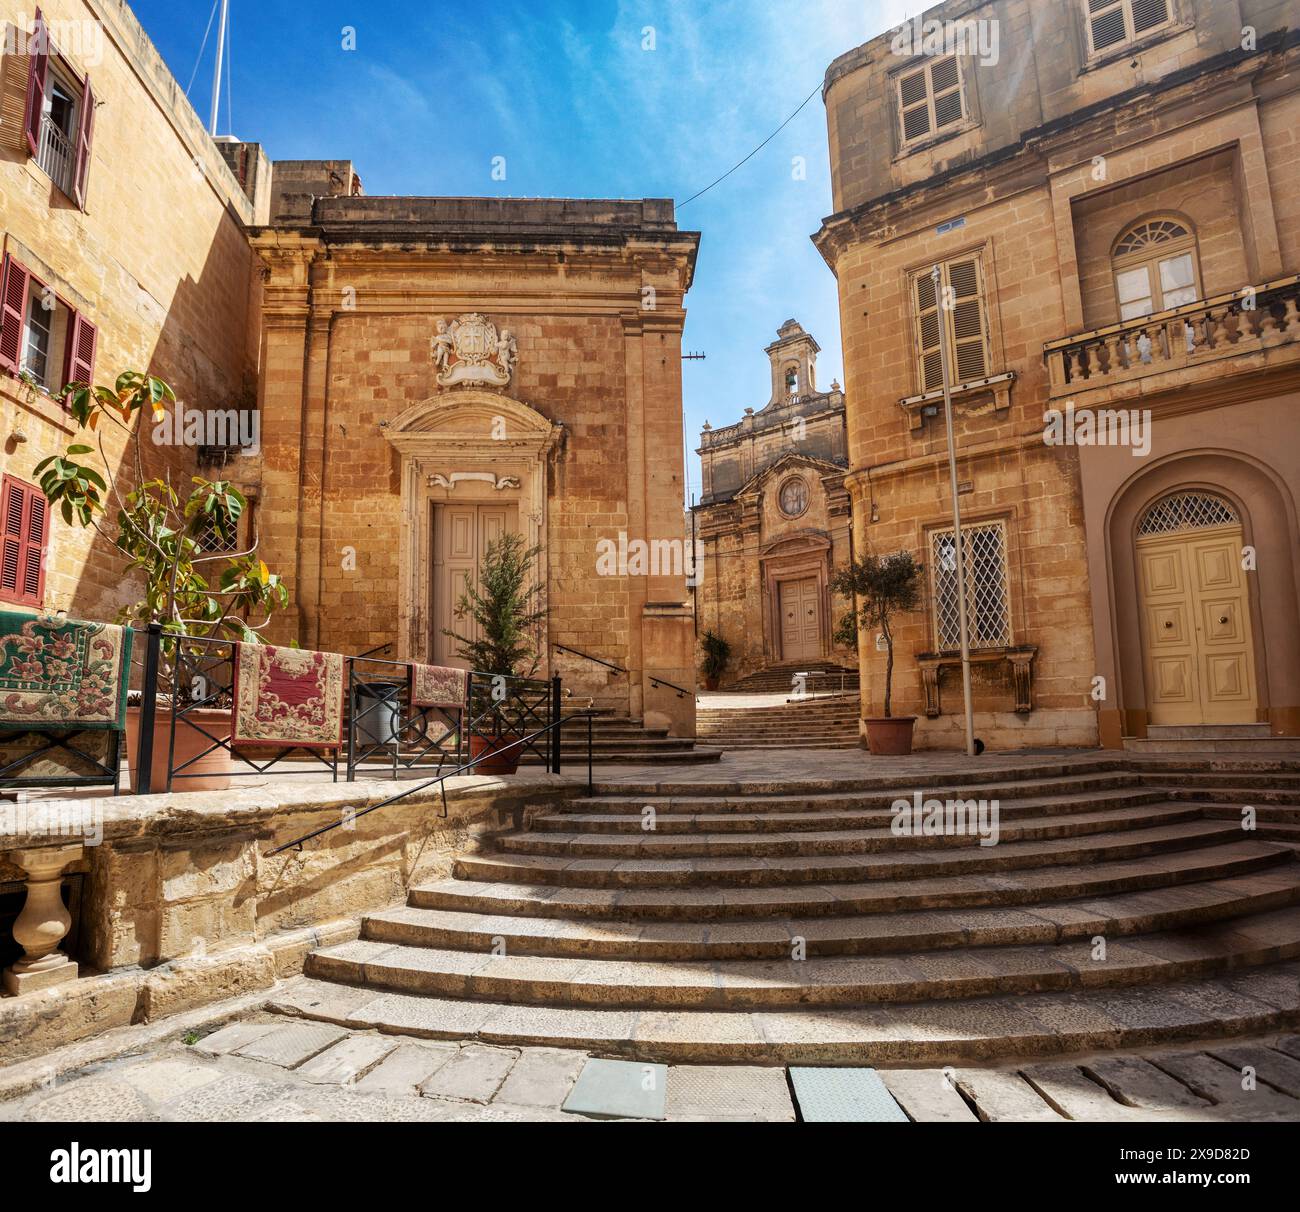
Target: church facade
[{"x": 773, "y": 523}]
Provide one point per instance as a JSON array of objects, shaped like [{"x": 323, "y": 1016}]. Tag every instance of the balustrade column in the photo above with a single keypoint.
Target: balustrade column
[{"x": 43, "y": 922}]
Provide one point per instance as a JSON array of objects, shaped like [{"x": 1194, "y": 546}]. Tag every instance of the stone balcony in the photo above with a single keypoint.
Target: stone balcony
[{"x": 1247, "y": 331}]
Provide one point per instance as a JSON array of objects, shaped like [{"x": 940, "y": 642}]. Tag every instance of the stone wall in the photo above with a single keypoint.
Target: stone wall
[{"x": 182, "y": 906}]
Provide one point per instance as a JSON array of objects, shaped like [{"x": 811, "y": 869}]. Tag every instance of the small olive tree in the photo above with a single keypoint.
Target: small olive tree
[{"x": 881, "y": 587}]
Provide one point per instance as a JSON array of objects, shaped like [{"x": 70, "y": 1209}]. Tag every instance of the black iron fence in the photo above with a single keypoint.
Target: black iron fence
[{"x": 185, "y": 700}]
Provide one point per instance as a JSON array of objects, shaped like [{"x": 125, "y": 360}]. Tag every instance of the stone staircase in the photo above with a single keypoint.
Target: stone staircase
[
  {"x": 787, "y": 923},
  {"x": 1253, "y": 739},
  {"x": 619, "y": 739},
  {"x": 777, "y": 679},
  {"x": 815, "y": 723}
]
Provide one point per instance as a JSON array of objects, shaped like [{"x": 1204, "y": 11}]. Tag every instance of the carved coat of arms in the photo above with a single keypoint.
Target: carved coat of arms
[{"x": 469, "y": 351}]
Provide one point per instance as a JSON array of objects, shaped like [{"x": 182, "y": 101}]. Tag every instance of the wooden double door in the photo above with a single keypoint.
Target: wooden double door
[
  {"x": 1196, "y": 628},
  {"x": 461, "y": 534},
  {"x": 799, "y": 611}
]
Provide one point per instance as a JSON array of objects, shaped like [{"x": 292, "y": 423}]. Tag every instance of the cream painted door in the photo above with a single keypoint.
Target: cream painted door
[
  {"x": 1196, "y": 628},
  {"x": 461, "y": 534},
  {"x": 801, "y": 638}
]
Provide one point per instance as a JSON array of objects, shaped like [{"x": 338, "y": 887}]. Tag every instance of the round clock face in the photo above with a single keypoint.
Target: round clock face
[{"x": 794, "y": 497}]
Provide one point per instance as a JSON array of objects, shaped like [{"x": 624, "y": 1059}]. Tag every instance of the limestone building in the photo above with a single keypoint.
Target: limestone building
[
  {"x": 1112, "y": 194},
  {"x": 426, "y": 372},
  {"x": 773, "y": 519}
]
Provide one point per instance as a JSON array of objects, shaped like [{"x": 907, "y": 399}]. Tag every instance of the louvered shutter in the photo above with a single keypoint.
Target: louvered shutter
[
  {"x": 80, "y": 362},
  {"x": 38, "y": 54},
  {"x": 914, "y": 102},
  {"x": 969, "y": 346},
  {"x": 945, "y": 88},
  {"x": 1106, "y": 24},
  {"x": 86, "y": 128},
  {"x": 1148, "y": 14},
  {"x": 24, "y": 530},
  {"x": 13, "y": 314},
  {"x": 928, "y": 338}
]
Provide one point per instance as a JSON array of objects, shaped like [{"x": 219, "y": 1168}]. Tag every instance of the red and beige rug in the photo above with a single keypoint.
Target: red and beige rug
[
  {"x": 287, "y": 696},
  {"x": 438, "y": 686}
]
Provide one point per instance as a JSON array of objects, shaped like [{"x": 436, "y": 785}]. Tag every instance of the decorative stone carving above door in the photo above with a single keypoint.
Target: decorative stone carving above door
[
  {"x": 438, "y": 480},
  {"x": 470, "y": 351}
]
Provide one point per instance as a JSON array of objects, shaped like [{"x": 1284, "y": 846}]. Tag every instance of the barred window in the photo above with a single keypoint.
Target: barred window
[
  {"x": 1113, "y": 23},
  {"x": 215, "y": 535},
  {"x": 987, "y": 599}
]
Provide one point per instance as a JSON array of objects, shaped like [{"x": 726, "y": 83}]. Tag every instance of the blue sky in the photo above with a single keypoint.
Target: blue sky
[{"x": 564, "y": 90}]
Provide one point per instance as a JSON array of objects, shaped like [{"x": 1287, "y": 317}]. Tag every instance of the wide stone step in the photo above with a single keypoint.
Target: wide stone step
[
  {"x": 613, "y": 797},
  {"x": 1237, "y": 796},
  {"x": 880, "y": 895},
  {"x": 1253, "y": 1001},
  {"x": 760, "y": 872},
  {"x": 633, "y": 818},
  {"x": 817, "y": 981},
  {"x": 1048, "y": 922},
  {"x": 1011, "y": 781},
  {"x": 875, "y": 840}
]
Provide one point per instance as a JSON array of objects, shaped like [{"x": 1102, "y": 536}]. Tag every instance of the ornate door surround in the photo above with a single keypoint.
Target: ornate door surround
[{"x": 465, "y": 445}]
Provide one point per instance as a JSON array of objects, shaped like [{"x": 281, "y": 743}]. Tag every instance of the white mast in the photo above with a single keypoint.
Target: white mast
[{"x": 216, "y": 75}]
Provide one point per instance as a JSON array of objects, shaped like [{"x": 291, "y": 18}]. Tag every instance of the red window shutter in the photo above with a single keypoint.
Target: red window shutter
[
  {"x": 80, "y": 366},
  {"x": 85, "y": 131},
  {"x": 38, "y": 54},
  {"x": 24, "y": 531},
  {"x": 13, "y": 313}
]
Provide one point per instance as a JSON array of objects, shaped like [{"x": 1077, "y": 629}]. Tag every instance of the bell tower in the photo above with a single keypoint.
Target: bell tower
[{"x": 794, "y": 363}]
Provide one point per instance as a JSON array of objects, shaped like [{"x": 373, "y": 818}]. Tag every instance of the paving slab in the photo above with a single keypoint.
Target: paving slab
[
  {"x": 473, "y": 1075},
  {"x": 928, "y": 1096},
  {"x": 1271, "y": 1067},
  {"x": 1002, "y": 1097},
  {"x": 162, "y": 1080},
  {"x": 347, "y": 1061},
  {"x": 613, "y": 1089},
  {"x": 729, "y": 1092},
  {"x": 406, "y": 1068},
  {"x": 1074, "y": 1094},
  {"x": 541, "y": 1077},
  {"x": 288, "y": 1046},
  {"x": 1136, "y": 1082},
  {"x": 830, "y": 1095},
  {"x": 232, "y": 1038}
]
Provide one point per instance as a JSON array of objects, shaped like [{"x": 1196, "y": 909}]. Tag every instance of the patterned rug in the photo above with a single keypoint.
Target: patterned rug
[
  {"x": 287, "y": 696},
  {"x": 437, "y": 686},
  {"x": 62, "y": 673}
]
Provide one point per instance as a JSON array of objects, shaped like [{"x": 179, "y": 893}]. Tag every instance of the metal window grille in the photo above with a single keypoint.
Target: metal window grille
[
  {"x": 1187, "y": 511},
  {"x": 986, "y": 587}
]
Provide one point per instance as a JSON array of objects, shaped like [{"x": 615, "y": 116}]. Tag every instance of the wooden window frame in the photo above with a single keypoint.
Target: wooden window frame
[
  {"x": 21, "y": 542},
  {"x": 920, "y": 314},
  {"x": 933, "y": 132},
  {"x": 1150, "y": 259},
  {"x": 1094, "y": 9}
]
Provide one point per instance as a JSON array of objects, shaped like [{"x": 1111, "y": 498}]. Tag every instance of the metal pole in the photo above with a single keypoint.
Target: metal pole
[
  {"x": 216, "y": 75},
  {"x": 148, "y": 710},
  {"x": 959, "y": 545},
  {"x": 557, "y": 718}
]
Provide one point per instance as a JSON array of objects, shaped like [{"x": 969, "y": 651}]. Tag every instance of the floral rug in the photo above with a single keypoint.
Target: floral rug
[
  {"x": 437, "y": 686},
  {"x": 287, "y": 696},
  {"x": 62, "y": 673}
]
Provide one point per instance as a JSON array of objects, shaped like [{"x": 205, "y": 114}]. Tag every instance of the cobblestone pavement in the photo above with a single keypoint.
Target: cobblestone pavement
[{"x": 264, "y": 1068}]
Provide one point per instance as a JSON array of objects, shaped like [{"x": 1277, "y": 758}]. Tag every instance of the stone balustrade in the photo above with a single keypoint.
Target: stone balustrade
[{"x": 1251, "y": 321}]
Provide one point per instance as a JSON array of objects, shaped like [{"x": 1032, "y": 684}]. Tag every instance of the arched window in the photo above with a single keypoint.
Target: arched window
[
  {"x": 1155, "y": 268},
  {"x": 1187, "y": 511},
  {"x": 792, "y": 381}
]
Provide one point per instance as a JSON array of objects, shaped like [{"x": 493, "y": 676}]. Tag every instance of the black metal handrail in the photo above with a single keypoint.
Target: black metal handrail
[
  {"x": 654, "y": 681},
  {"x": 556, "y": 725}
]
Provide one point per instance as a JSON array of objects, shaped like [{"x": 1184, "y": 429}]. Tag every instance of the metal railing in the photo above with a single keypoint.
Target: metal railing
[
  {"x": 682, "y": 692},
  {"x": 54, "y": 155}
]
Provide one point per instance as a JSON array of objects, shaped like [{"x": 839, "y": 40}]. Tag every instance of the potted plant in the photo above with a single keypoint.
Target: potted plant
[
  {"x": 717, "y": 652},
  {"x": 503, "y": 606},
  {"x": 881, "y": 587},
  {"x": 165, "y": 533}
]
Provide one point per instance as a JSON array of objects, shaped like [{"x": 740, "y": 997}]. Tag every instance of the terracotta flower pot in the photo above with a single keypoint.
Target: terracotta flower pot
[
  {"x": 891, "y": 737},
  {"x": 506, "y": 763},
  {"x": 213, "y": 771}
]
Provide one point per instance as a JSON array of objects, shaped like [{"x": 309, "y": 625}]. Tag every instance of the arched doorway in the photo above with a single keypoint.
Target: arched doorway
[{"x": 1195, "y": 615}]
